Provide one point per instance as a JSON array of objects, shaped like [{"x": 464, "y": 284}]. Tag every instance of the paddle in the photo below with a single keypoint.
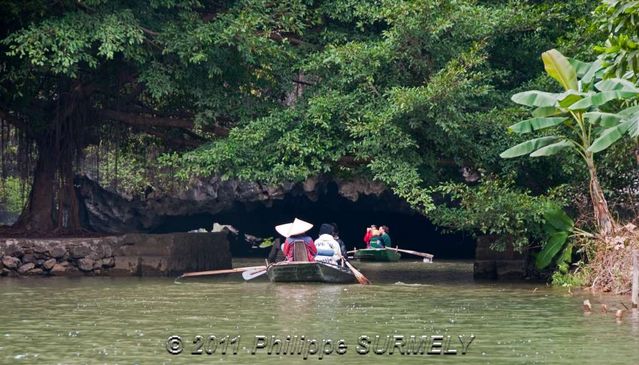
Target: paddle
[
  {"x": 358, "y": 275},
  {"x": 252, "y": 274},
  {"x": 217, "y": 272},
  {"x": 411, "y": 252}
]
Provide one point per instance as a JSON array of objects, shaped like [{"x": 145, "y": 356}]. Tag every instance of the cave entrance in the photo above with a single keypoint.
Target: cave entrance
[{"x": 408, "y": 229}]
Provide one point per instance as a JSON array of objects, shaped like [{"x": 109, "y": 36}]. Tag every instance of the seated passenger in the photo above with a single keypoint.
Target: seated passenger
[
  {"x": 328, "y": 249},
  {"x": 369, "y": 234},
  {"x": 386, "y": 240},
  {"x": 294, "y": 232},
  {"x": 376, "y": 239}
]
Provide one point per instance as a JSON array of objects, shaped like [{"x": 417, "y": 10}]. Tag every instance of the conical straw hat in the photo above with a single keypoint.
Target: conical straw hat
[{"x": 291, "y": 229}]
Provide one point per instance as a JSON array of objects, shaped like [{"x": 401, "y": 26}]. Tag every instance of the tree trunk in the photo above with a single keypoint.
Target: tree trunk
[
  {"x": 603, "y": 217},
  {"x": 53, "y": 204},
  {"x": 38, "y": 215}
]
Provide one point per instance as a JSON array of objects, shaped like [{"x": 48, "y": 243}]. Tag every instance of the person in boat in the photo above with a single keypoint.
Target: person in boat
[
  {"x": 294, "y": 232},
  {"x": 385, "y": 238},
  {"x": 276, "y": 254},
  {"x": 369, "y": 235},
  {"x": 376, "y": 239},
  {"x": 328, "y": 249},
  {"x": 342, "y": 245}
]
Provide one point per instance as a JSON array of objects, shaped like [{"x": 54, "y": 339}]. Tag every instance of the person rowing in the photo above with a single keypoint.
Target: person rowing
[{"x": 295, "y": 232}]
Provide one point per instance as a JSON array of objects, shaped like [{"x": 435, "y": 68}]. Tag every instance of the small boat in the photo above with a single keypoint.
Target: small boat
[
  {"x": 294, "y": 271},
  {"x": 377, "y": 254}
]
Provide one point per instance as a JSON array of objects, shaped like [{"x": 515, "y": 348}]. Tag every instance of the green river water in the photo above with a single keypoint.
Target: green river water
[{"x": 129, "y": 320}]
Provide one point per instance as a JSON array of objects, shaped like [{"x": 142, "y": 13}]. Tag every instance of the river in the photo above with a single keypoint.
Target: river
[{"x": 130, "y": 320}]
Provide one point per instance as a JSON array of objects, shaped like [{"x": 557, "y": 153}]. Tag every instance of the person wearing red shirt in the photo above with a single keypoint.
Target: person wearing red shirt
[
  {"x": 295, "y": 231},
  {"x": 369, "y": 235}
]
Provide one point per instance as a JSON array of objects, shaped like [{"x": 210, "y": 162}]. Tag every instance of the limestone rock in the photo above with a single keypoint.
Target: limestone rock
[
  {"x": 79, "y": 251},
  {"x": 108, "y": 262},
  {"x": 15, "y": 251},
  {"x": 35, "y": 271},
  {"x": 26, "y": 267},
  {"x": 10, "y": 262},
  {"x": 28, "y": 258},
  {"x": 49, "y": 264},
  {"x": 58, "y": 269},
  {"x": 40, "y": 248},
  {"x": 110, "y": 212},
  {"x": 85, "y": 264},
  {"x": 97, "y": 264},
  {"x": 58, "y": 252}
]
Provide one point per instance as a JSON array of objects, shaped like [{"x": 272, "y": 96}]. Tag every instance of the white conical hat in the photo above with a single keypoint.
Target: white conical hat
[{"x": 291, "y": 229}]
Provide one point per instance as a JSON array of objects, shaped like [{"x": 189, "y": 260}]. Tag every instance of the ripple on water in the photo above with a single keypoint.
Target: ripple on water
[{"x": 128, "y": 320}]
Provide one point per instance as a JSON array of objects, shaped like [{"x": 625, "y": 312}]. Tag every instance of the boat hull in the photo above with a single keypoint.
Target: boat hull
[
  {"x": 309, "y": 272},
  {"x": 377, "y": 254}
]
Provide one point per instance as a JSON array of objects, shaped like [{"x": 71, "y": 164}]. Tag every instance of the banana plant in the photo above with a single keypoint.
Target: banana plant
[
  {"x": 575, "y": 121},
  {"x": 558, "y": 226}
]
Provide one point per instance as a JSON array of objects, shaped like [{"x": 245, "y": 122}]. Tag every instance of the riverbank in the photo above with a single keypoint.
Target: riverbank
[{"x": 124, "y": 255}]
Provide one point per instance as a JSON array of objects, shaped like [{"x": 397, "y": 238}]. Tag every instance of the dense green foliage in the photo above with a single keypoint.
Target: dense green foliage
[
  {"x": 14, "y": 195},
  {"x": 413, "y": 93},
  {"x": 410, "y": 95}
]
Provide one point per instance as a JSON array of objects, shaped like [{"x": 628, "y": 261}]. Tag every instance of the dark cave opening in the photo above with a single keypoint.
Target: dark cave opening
[{"x": 408, "y": 229}]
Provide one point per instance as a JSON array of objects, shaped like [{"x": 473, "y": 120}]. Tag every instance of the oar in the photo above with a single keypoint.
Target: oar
[
  {"x": 252, "y": 274},
  {"x": 411, "y": 252},
  {"x": 358, "y": 275},
  {"x": 217, "y": 272}
]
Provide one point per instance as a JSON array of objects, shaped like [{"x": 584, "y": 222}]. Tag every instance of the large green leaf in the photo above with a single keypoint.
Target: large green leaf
[
  {"x": 616, "y": 84},
  {"x": 629, "y": 113},
  {"x": 551, "y": 248},
  {"x": 602, "y": 98},
  {"x": 558, "y": 67},
  {"x": 633, "y": 130},
  {"x": 557, "y": 218},
  {"x": 552, "y": 149},
  {"x": 535, "y": 98},
  {"x": 546, "y": 111},
  {"x": 610, "y": 136},
  {"x": 533, "y": 124},
  {"x": 570, "y": 97},
  {"x": 528, "y": 146},
  {"x": 632, "y": 114},
  {"x": 588, "y": 78},
  {"x": 581, "y": 67},
  {"x": 606, "y": 120}
]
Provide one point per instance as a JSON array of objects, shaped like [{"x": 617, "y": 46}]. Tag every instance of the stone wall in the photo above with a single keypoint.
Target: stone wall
[
  {"x": 495, "y": 265},
  {"x": 126, "y": 255}
]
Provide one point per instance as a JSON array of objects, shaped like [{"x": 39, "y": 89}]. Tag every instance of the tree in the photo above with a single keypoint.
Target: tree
[
  {"x": 577, "y": 116},
  {"x": 403, "y": 92},
  {"x": 183, "y": 70}
]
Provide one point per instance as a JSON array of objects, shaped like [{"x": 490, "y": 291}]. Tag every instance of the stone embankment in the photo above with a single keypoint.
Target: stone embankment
[{"x": 126, "y": 255}]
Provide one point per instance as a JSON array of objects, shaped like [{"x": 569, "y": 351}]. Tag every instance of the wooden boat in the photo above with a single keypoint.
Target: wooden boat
[
  {"x": 293, "y": 271},
  {"x": 377, "y": 254}
]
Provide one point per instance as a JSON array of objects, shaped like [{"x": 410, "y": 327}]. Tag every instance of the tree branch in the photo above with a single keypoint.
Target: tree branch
[{"x": 148, "y": 120}]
